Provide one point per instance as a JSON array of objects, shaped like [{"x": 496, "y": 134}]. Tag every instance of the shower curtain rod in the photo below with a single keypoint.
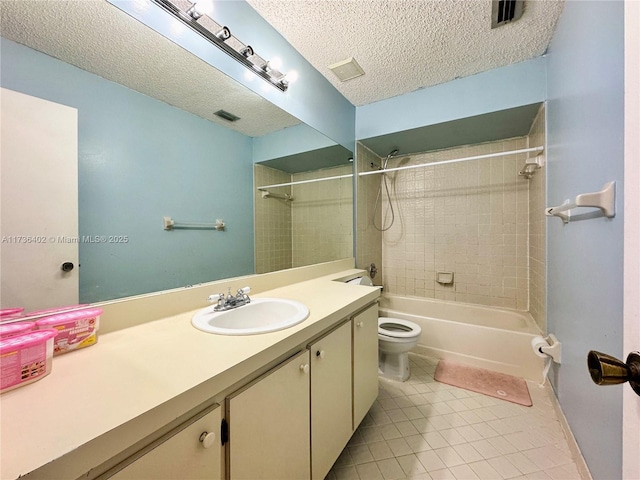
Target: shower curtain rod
[
  {"x": 457, "y": 160},
  {"x": 300, "y": 182},
  {"x": 422, "y": 165}
]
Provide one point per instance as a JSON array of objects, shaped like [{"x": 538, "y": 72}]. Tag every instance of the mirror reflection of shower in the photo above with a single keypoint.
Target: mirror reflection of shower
[{"x": 383, "y": 181}]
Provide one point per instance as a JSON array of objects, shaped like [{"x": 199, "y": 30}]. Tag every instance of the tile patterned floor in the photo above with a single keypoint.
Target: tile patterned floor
[{"x": 422, "y": 429}]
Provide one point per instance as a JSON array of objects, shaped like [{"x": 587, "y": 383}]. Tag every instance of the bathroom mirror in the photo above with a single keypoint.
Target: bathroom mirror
[
  {"x": 303, "y": 216},
  {"x": 150, "y": 146}
]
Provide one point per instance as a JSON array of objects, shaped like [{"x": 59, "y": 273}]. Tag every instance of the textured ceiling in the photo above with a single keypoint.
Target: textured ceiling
[
  {"x": 99, "y": 38},
  {"x": 404, "y": 45}
]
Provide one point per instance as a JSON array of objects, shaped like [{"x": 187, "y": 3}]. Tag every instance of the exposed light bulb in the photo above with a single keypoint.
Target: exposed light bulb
[
  {"x": 205, "y": 7},
  {"x": 291, "y": 77},
  {"x": 275, "y": 63}
]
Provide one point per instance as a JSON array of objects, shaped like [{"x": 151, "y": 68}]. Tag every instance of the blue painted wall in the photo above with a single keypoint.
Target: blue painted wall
[
  {"x": 312, "y": 98},
  {"x": 499, "y": 89},
  {"x": 585, "y": 149},
  {"x": 139, "y": 160},
  {"x": 288, "y": 141}
]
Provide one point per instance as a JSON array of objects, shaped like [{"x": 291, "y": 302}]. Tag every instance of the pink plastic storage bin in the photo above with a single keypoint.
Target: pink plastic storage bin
[
  {"x": 16, "y": 328},
  {"x": 25, "y": 358},
  {"x": 7, "y": 313},
  {"x": 54, "y": 310},
  {"x": 76, "y": 330}
]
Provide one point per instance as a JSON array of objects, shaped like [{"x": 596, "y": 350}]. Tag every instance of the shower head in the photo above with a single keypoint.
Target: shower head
[{"x": 392, "y": 153}]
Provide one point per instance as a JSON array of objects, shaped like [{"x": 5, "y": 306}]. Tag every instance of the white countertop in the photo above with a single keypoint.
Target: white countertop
[{"x": 93, "y": 395}]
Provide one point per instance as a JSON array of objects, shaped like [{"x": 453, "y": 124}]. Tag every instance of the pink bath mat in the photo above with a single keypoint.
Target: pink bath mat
[{"x": 494, "y": 384}]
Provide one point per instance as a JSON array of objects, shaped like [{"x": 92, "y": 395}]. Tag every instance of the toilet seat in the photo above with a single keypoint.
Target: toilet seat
[{"x": 398, "y": 328}]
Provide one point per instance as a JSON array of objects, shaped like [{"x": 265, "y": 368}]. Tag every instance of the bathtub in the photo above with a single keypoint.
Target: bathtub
[{"x": 487, "y": 337}]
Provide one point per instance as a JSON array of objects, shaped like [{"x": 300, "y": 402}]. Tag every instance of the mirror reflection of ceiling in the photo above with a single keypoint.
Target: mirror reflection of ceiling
[
  {"x": 99, "y": 38},
  {"x": 407, "y": 45},
  {"x": 489, "y": 127},
  {"x": 320, "y": 158}
]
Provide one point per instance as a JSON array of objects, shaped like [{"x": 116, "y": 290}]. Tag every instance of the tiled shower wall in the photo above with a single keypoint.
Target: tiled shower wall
[
  {"x": 272, "y": 222},
  {"x": 316, "y": 227},
  {"x": 322, "y": 217},
  {"x": 538, "y": 230},
  {"x": 469, "y": 218},
  {"x": 369, "y": 249}
]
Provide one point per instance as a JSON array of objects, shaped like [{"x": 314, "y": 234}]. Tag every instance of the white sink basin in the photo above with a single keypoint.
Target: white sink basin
[{"x": 262, "y": 315}]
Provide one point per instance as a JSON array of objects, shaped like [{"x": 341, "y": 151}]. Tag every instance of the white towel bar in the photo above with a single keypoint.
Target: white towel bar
[
  {"x": 605, "y": 200},
  {"x": 170, "y": 224}
]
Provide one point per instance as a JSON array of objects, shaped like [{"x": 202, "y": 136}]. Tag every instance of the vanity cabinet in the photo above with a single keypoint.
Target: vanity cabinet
[
  {"x": 294, "y": 421},
  {"x": 192, "y": 450},
  {"x": 365, "y": 362},
  {"x": 331, "y": 397},
  {"x": 269, "y": 424}
]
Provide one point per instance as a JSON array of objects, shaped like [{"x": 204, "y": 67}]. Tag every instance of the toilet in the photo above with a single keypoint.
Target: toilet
[{"x": 395, "y": 338}]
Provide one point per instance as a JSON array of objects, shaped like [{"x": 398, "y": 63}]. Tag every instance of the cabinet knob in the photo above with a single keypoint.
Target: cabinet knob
[
  {"x": 66, "y": 267},
  {"x": 359, "y": 324},
  {"x": 304, "y": 368},
  {"x": 207, "y": 439},
  {"x": 320, "y": 353}
]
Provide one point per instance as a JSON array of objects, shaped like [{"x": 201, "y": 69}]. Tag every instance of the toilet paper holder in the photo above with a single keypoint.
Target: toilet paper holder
[{"x": 550, "y": 346}]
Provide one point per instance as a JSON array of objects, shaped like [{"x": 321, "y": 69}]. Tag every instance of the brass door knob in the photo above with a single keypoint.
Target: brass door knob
[{"x": 607, "y": 370}]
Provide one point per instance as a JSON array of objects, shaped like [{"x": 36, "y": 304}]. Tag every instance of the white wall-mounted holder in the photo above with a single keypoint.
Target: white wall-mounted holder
[
  {"x": 170, "y": 224},
  {"x": 605, "y": 200},
  {"x": 531, "y": 165},
  {"x": 548, "y": 348}
]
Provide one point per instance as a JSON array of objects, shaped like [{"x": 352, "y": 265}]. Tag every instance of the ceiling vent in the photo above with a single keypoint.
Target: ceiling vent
[
  {"x": 347, "y": 69},
  {"x": 505, "y": 11},
  {"x": 230, "y": 117}
]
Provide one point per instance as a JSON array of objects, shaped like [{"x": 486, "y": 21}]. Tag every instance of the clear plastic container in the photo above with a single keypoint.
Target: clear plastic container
[
  {"x": 25, "y": 358},
  {"x": 78, "y": 329}
]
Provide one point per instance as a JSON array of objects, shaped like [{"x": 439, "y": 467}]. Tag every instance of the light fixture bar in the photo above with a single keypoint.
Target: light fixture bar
[{"x": 192, "y": 23}]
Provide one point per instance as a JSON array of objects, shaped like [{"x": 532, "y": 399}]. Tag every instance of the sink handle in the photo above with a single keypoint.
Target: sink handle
[
  {"x": 244, "y": 291},
  {"x": 215, "y": 297}
]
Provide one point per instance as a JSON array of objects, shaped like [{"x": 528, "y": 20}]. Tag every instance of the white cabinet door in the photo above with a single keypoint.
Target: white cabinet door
[
  {"x": 365, "y": 362},
  {"x": 331, "y": 414},
  {"x": 39, "y": 198},
  {"x": 269, "y": 425},
  {"x": 184, "y": 454}
]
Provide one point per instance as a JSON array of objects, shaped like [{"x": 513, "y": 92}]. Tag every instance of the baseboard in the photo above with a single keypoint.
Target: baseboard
[{"x": 581, "y": 464}]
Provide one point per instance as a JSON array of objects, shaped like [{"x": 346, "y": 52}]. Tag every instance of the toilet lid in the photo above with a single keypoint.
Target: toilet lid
[{"x": 398, "y": 328}]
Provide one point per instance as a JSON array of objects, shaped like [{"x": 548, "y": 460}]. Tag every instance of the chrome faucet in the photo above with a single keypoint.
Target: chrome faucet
[{"x": 229, "y": 302}]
